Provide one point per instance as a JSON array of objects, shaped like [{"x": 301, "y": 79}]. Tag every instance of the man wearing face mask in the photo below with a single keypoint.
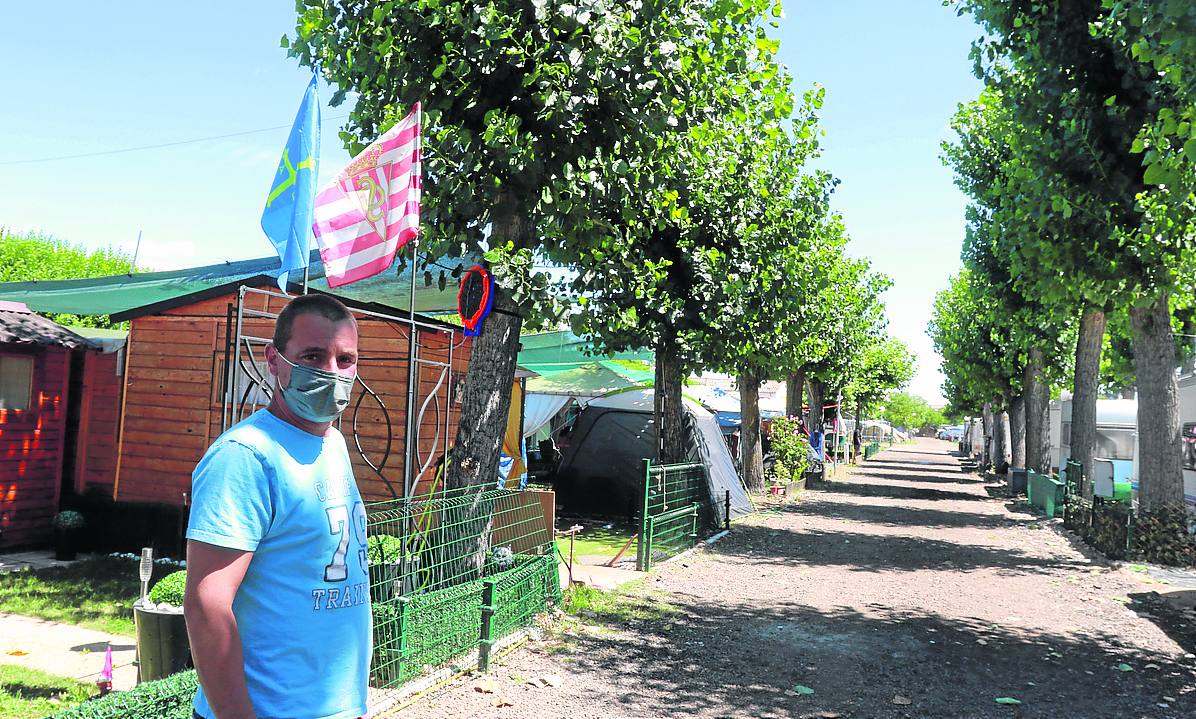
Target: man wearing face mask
[{"x": 277, "y": 598}]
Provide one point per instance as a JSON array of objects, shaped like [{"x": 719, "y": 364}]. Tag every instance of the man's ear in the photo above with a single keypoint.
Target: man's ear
[{"x": 272, "y": 358}]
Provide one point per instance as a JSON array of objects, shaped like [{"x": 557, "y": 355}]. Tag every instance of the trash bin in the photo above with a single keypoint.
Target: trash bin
[{"x": 1017, "y": 480}]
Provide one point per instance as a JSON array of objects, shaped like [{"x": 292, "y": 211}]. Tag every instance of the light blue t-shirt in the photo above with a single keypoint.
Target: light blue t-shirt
[{"x": 303, "y": 609}]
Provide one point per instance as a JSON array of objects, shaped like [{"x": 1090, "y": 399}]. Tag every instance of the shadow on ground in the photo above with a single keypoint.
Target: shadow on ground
[
  {"x": 900, "y": 516},
  {"x": 747, "y": 661},
  {"x": 913, "y": 476},
  {"x": 864, "y": 489},
  {"x": 867, "y": 552}
]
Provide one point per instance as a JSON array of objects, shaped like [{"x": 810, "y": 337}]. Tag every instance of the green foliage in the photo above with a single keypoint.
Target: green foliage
[
  {"x": 33, "y": 256},
  {"x": 885, "y": 364},
  {"x": 975, "y": 344},
  {"x": 525, "y": 104},
  {"x": 170, "y": 589},
  {"x": 789, "y": 449},
  {"x": 383, "y": 549},
  {"x": 902, "y": 409},
  {"x": 31, "y": 694},
  {"x": 168, "y": 698}
]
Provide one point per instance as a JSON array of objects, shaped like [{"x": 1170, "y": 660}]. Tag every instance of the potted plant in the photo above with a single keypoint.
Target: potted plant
[
  {"x": 162, "y": 645},
  {"x": 67, "y": 525}
]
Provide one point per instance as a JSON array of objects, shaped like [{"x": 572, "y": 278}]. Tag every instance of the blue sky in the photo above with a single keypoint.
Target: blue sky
[{"x": 93, "y": 77}]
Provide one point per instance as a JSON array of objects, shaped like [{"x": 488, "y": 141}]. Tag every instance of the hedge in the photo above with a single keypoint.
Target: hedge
[
  {"x": 168, "y": 698},
  {"x": 169, "y": 589}
]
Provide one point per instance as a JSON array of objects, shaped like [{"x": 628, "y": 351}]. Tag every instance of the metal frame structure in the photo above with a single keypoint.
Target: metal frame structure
[{"x": 247, "y": 386}]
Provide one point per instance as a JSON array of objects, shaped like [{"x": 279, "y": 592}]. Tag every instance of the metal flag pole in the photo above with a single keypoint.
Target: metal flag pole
[
  {"x": 408, "y": 479},
  {"x": 306, "y": 262}
]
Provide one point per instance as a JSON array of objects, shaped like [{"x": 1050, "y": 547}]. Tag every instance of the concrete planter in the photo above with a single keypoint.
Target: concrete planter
[{"x": 162, "y": 645}]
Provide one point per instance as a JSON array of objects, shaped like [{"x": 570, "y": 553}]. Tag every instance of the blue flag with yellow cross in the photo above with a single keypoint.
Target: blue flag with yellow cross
[{"x": 287, "y": 218}]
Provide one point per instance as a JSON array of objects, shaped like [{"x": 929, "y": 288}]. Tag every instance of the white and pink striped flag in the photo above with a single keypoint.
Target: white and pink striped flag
[{"x": 371, "y": 208}]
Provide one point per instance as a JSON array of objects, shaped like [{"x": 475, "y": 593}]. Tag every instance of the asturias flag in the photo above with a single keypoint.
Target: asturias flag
[{"x": 288, "y": 215}]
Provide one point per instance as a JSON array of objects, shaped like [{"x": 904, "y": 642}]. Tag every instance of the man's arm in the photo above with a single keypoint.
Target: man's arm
[{"x": 213, "y": 576}]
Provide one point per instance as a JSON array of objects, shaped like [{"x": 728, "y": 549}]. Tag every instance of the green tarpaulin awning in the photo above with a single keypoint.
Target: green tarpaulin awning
[
  {"x": 127, "y": 296},
  {"x": 592, "y": 380}
]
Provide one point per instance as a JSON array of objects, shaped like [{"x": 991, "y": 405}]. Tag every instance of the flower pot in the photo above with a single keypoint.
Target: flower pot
[
  {"x": 162, "y": 645},
  {"x": 65, "y": 545}
]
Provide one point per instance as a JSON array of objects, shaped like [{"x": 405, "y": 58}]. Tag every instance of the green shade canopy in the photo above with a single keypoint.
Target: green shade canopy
[
  {"x": 594, "y": 379},
  {"x": 548, "y": 352},
  {"x": 127, "y": 296}
]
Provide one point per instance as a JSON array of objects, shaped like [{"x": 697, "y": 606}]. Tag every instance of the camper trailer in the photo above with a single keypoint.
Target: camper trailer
[{"x": 1116, "y": 436}]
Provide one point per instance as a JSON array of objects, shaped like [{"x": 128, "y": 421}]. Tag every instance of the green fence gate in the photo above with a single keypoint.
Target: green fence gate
[{"x": 672, "y": 515}]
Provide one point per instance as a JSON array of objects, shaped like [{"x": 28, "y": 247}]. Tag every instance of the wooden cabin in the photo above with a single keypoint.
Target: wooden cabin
[
  {"x": 35, "y": 379},
  {"x": 149, "y": 412},
  {"x": 174, "y": 402}
]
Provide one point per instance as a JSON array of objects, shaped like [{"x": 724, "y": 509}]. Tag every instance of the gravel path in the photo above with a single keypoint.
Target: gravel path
[{"x": 911, "y": 589}]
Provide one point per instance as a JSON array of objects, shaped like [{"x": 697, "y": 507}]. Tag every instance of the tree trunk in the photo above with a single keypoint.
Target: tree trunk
[
  {"x": 817, "y": 420},
  {"x": 986, "y": 418},
  {"x": 1000, "y": 441},
  {"x": 1038, "y": 419},
  {"x": 749, "y": 432},
  {"x": 1083, "y": 401},
  {"x": 1017, "y": 431},
  {"x": 794, "y": 386},
  {"x": 857, "y": 449},
  {"x": 670, "y": 413},
  {"x": 1160, "y": 468},
  {"x": 486, "y": 396}
]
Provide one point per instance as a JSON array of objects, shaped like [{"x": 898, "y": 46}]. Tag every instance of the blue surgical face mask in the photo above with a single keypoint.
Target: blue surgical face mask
[{"x": 316, "y": 395}]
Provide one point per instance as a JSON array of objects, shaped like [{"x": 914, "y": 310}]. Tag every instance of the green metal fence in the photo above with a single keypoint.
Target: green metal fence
[
  {"x": 672, "y": 515},
  {"x": 453, "y": 572}
]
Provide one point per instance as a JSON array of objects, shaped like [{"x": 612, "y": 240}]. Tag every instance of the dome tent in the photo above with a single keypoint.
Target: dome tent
[{"x": 601, "y": 472}]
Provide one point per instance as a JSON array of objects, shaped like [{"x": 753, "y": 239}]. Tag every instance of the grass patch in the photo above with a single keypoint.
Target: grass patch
[
  {"x": 28, "y": 693},
  {"x": 97, "y": 593},
  {"x": 598, "y": 541},
  {"x": 626, "y": 604}
]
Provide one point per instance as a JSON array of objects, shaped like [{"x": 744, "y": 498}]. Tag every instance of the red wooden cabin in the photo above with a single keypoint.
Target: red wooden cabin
[{"x": 35, "y": 378}]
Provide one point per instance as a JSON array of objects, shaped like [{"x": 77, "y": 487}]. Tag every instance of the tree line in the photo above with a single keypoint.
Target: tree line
[
  {"x": 658, "y": 151},
  {"x": 1077, "y": 158}
]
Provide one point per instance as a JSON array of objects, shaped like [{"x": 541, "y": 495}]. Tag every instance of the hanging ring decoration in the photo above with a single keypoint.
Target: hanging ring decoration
[{"x": 475, "y": 299}]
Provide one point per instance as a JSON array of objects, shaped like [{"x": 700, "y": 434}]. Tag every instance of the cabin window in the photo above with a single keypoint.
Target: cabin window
[{"x": 16, "y": 382}]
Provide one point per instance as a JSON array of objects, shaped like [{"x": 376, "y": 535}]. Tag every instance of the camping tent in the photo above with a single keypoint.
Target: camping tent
[{"x": 602, "y": 469}]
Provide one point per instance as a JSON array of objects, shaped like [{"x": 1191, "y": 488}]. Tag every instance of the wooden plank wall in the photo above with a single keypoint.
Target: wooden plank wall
[
  {"x": 31, "y": 446},
  {"x": 173, "y": 398},
  {"x": 99, "y": 423},
  {"x": 166, "y": 407}
]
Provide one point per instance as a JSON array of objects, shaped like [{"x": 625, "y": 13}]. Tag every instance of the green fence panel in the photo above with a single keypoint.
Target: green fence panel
[
  {"x": 431, "y": 557},
  {"x": 675, "y": 509}
]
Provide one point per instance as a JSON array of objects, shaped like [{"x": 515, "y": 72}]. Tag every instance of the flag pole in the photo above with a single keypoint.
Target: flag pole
[
  {"x": 306, "y": 264},
  {"x": 408, "y": 475}
]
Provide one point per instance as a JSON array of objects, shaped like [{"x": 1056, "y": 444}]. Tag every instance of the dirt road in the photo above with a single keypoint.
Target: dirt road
[{"x": 908, "y": 590}]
